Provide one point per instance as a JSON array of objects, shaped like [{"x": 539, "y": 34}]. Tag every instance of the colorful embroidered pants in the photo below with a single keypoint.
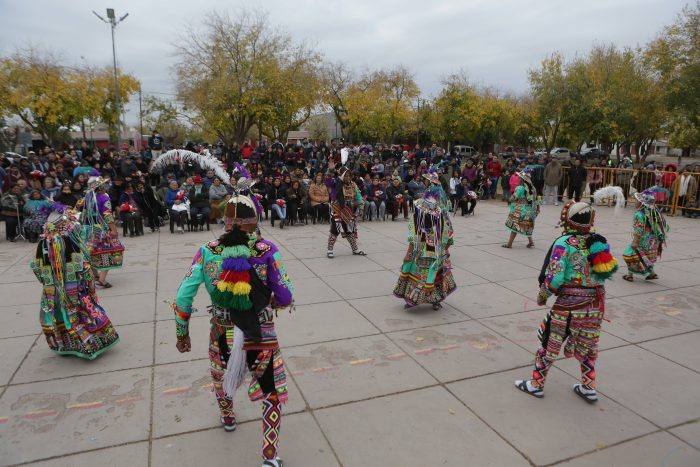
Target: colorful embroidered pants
[
  {"x": 220, "y": 341},
  {"x": 578, "y": 330}
]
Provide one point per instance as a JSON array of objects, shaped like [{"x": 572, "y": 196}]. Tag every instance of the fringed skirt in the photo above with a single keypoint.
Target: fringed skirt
[
  {"x": 105, "y": 252},
  {"x": 88, "y": 333},
  {"x": 342, "y": 220},
  {"x": 421, "y": 282},
  {"x": 640, "y": 260},
  {"x": 521, "y": 219}
]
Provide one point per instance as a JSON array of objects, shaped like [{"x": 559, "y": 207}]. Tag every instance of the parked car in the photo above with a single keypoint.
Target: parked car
[
  {"x": 560, "y": 153},
  {"x": 593, "y": 153},
  {"x": 541, "y": 152},
  {"x": 465, "y": 151}
]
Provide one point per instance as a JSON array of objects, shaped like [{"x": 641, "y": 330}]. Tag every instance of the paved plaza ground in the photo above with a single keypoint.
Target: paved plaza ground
[{"x": 371, "y": 384}]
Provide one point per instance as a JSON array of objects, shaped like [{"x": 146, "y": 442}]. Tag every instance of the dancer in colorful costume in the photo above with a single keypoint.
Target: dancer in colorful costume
[
  {"x": 426, "y": 275},
  {"x": 100, "y": 231},
  {"x": 575, "y": 270},
  {"x": 524, "y": 208},
  {"x": 247, "y": 283},
  {"x": 649, "y": 232},
  {"x": 71, "y": 317},
  {"x": 345, "y": 197}
]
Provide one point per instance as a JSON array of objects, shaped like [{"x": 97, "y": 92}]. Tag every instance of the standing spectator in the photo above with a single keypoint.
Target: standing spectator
[
  {"x": 469, "y": 172},
  {"x": 246, "y": 151},
  {"x": 130, "y": 213},
  {"x": 538, "y": 175},
  {"x": 155, "y": 142},
  {"x": 12, "y": 204},
  {"x": 553, "y": 174},
  {"x": 577, "y": 177},
  {"x": 623, "y": 177},
  {"x": 594, "y": 178},
  {"x": 505, "y": 185},
  {"x": 493, "y": 171},
  {"x": 455, "y": 181}
]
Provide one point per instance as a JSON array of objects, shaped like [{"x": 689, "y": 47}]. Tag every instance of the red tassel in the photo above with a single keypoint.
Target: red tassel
[
  {"x": 234, "y": 276},
  {"x": 602, "y": 258}
]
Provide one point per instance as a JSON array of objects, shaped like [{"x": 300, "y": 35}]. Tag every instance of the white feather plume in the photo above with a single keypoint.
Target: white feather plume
[
  {"x": 205, "y": 161},
  {"x": 610, "y": 192}
]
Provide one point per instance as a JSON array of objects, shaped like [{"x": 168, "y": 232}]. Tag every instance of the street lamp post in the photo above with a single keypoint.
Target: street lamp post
[{"x": 112, "y": 21}]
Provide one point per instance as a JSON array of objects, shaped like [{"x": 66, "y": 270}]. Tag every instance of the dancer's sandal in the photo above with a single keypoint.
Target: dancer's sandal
[
  {"x": 651, "y": 277},
  {"x": 628, "y": 277},
  {"x": 530, "y": 245},
  {"x": 589, "y": 395},
  {"x": 437, "y": 306},
  {"x": 359, "y": 253},
  {"x": 505, "y": 245},
  {"x": 533, "y": 391},
  {"x": 330, "y": 254},
  {"x": 104, "y": 285},
  {"x": 229, "y": 423}
]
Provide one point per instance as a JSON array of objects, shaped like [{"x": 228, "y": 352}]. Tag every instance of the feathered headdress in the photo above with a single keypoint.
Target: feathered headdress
[
  {"x": 205, "y": 161},
  {"x": 610, "y": 192},
  {"x": 244, "y": 184}
]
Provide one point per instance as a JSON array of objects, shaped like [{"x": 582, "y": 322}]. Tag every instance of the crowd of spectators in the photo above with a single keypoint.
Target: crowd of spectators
[{"x": 290, "y": 182}]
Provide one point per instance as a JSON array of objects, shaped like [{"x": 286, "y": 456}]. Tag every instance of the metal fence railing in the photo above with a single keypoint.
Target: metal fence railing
[{"x": 674, "y": 191}]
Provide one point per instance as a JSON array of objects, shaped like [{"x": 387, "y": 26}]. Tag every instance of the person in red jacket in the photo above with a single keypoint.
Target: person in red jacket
[
  {"x": 246, "y": 150},
  {"x": 493, "y": 171}
]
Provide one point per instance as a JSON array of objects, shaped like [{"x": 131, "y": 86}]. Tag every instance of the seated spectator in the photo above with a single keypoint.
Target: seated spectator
[
  {"x": 319, "y": 197},
  {"x": 377, "y": 200},
  {"x": 277, "y": 202},
  {"x": 50, "y": 189},
  {"x": 397, "y": 199},
  {"x": 66, "y": 196},
  {"x": 199, "y": 203},
  {"x": 217, "y": 193},
  {"x": 36, "y": 211},
  {"x": 296, "y": 203},
  {"x": 130, "y": 213},
  {"x": 179, "y": 212},
  {"x": 466, "y": 198}
]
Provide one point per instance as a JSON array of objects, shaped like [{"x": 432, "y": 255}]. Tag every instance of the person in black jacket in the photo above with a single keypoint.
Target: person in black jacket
[
  {"x": 577, "y": 179},
  {"x": 199, "y": 203},
  {"x": 276, "y": 199}
]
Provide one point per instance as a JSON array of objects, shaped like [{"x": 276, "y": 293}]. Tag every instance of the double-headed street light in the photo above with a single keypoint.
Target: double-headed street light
[{"x": 112, "y": 21}]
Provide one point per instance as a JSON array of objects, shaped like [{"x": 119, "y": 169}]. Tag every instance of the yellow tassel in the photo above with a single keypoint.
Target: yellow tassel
[
  {"x": 606, "y": 267},
  {"x": 223, "y": 286},
  {"x": 241, "y": 288}
]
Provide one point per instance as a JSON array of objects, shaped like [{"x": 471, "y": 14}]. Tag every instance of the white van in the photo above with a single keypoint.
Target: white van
[{"x": 465, "y": 151}]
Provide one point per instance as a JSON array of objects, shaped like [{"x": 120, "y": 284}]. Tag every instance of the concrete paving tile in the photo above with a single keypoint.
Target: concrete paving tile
[
  {"x": 313, "y": 290},
  {"x": 465, "y": 278},
  {"x": 683, "y": 349},
  {"x": 13, "y": 350},
  {"x": 672, "y": 278},
  {"x": 460, "y": 350},
  {"x": 521, "y": 328},
  {"x": 130, "y": 309},
  {"x": 618, "y": 287},
  {"x": 125, "y": 284},
  {"x": 134, "y": 350},
  {"x": 528, "y": 287},
  {"x": 323, "y": 267},
  {"x": 427, "y": 427},
  {"x": 181, "y": 260},
  {"x": 485, "y": 300},
  {"x": 296, "y": 269},
  {"x": 23, "y": 293},
  {"x": 184, "y": 400},
  {"x": 502, "y": 269},
  {"x": 166, "y": 352},
  {"x": 635, "y": 323},
  {"x": 74, "y": 414},
  {"x": 648, "y": 451},
  {"x": 139, "y": 262},
  {"x": 681, "y": 304},
  {"x": 463, "y": 256},
  {"x": 133, "y": 455},
  {"x": 361, "y": 285},
  {"x": 19, "y": 320},
  {"x": 562, "y": 416},
  {"x": 19, "y": 273},
  {"x": 639, "y": 380},
  {"x": 169, "y": 280},
  {"x": 353, "y": 369},
  {"x": 388, "y": 313},
  {"x": 690, "y": 433},
  {"x": 301, "y": 443},
  {"x": 691, "y": 265},
  {"x": 321, "y": 322}
]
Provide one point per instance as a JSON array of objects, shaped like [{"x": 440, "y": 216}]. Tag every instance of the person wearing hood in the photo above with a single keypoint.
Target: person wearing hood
[
  {"x": 553, "y": 174},
  {"x": 524, "y": 208},
  {"x": 649, "y": 233}
]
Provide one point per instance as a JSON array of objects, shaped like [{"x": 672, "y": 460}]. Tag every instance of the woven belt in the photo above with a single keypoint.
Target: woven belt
[{"x": 224, "y": 314}]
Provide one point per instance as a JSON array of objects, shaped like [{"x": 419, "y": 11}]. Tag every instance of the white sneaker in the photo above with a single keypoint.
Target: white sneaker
[
  {"x": 276, "y": 462},
  {"x": 180, "y": 230}
]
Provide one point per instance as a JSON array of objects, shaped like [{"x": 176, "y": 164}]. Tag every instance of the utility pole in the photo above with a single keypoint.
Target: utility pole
[
  {"x": 112, "y": 21},
  {"x": 140, "y": 120}
]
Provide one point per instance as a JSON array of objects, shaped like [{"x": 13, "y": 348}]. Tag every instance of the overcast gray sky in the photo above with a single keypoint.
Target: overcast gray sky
[{"x": 494, "y": 41}]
